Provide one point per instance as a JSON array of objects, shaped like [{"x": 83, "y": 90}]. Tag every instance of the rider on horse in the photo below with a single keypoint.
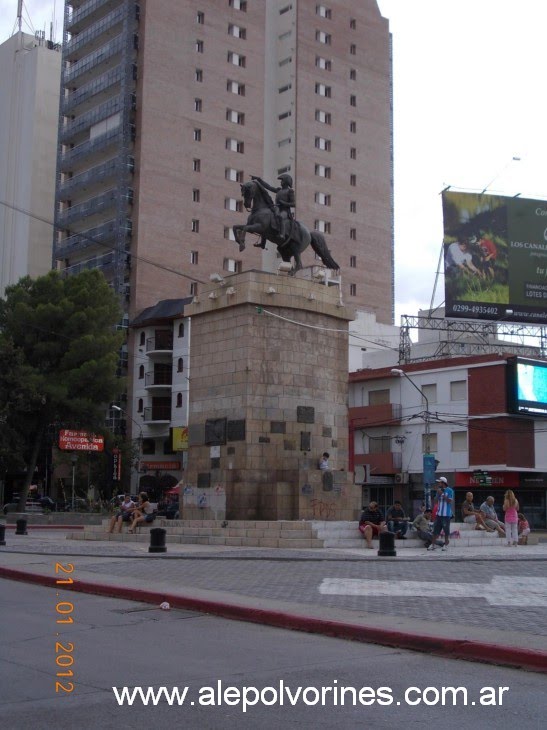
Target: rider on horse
[{"x": 284, "y": 201}]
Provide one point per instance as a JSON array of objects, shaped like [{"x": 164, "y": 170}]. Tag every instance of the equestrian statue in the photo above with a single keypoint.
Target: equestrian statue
[{"x": 274, "y": 222}]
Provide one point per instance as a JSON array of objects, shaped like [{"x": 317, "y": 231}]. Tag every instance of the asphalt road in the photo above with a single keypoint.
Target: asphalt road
[{"x": 116, "y": 643}]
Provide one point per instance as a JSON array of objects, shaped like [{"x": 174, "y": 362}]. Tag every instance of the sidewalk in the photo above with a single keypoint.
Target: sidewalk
[{"x": 459, "y": 609}]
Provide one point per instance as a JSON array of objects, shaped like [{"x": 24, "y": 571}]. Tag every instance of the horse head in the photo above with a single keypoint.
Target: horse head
[{"x": 248, "y": 190}]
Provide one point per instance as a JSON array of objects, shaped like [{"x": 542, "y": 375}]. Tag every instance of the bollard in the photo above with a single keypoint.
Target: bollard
[
  {"x": 21, "y": 527},
  {"x": 387, "y": 544},
  {"x": 157, "y": 540},
  {"x": 2, "y": 534}
]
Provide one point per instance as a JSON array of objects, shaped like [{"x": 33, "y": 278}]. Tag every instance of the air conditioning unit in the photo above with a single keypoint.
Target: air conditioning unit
[{"x": 401, "y": 477}]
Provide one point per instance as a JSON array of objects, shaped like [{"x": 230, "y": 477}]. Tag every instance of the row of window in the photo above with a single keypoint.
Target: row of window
[
  {"x": 382, "y": 444},
  {"x": 458, "y": 392},
  {"x": 323, "y": 11},
  {"x": 325, "y": 64}
]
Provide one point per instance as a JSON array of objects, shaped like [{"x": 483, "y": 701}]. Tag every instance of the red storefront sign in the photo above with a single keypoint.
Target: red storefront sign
[
  {"x": 80, "y": 441},
  {"x": 116, "y": 465},
  {"x": 164, "y": 465},
  {"x": 500, "y": 480}
]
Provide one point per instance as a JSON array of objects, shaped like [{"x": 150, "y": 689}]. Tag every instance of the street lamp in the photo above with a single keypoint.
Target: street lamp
[
  {"x": 73, "y": 459},
  {"x": 114, "y": 407},
  {"x": 428, "y": 458}
]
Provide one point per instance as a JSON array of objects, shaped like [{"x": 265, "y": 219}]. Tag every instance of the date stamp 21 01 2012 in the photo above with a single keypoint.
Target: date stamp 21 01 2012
[{"x": 64, "y": 658}]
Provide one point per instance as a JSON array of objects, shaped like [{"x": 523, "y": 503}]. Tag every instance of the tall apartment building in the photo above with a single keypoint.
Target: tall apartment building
[
  {"x": 29, "y": 107},
  {"x": 168, "y": 106}
]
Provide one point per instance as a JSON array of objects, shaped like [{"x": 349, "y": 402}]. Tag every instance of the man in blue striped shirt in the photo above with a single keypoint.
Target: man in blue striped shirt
[{"x": 445, "y": 500}]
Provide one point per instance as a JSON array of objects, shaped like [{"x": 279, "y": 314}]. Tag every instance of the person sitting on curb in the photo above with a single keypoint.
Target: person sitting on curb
[
  {"x": 523, "y": 529},
  {"x": 490, "y": 516},
  {"x": 324, "y": 461},
  {"x": 397, "y": 521},
  {"x": 371, "y": 523},
  {"x": 422, "y": 525},
  {"x": 124, "y": 514},
  {"x": 472, "y": 516},
  {"x": 144, "y": 512}
]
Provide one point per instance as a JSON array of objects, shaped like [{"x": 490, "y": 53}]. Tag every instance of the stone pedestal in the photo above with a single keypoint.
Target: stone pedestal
[{"x": 269, "y": 385}]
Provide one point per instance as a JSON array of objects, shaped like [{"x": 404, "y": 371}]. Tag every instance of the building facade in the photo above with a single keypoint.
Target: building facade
[
  {"x": 460, "y": 406},
  {"x": 29, "y": 108}
]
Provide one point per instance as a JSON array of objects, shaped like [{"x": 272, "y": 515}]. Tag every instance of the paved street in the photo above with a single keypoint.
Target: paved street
[{"x": 498, "y": 597}]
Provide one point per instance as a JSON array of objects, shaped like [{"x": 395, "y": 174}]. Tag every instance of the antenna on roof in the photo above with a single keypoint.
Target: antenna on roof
[{"x": 19, "y": 14}]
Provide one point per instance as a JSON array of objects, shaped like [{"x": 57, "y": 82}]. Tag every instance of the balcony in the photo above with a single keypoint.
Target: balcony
[
  {"x": 92, "y": 36},
  {"x": 388, "y": 462},
  {"x": 104, "y": 263},
  {"x": 91, "y": 181},
  {"x": 92, "y": 93},
  {"x": 101, "y": 144},
  {"x": 105, "y": 234},
  {"x": 159, "y": 378},
  {"x": 160, "y": 414},
  {"x": 105, "y": 57},
  {"x": 161, "y": 342},
  {"x": 97, "y": 206},
  {"x": 87, "y": 13},
  {"x": 82, "y": 124},
  {"x": 385, "y": 414}
]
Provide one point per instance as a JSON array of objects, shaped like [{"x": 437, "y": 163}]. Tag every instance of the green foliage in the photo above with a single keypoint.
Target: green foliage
[{"x": 59, "y": 350}]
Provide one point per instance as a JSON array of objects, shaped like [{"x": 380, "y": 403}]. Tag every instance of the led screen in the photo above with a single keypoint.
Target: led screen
[{"x": 527, "y": 386}]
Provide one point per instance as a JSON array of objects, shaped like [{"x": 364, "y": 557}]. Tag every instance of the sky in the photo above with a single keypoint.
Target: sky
[{"x": 469, "y": 96}]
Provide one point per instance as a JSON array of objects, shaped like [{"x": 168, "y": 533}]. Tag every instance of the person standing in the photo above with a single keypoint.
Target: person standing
[
  {"x": 445, "y": 500},
  {"x": 511, "y": 508}
]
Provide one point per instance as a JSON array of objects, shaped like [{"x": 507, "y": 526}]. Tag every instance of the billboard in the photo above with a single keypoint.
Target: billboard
[
  {"x": 80, "y": 441},
  {"x": 495, "y": 257},
  {"x": 527, "y": 386}
]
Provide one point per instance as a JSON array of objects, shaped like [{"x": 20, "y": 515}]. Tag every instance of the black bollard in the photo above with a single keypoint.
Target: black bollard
[
  {"x": 2, "y": 534},
  {"x": 21, "y": 527},
  {"x": 157, "y": 540},
  {"x": 387, "y": 544}
]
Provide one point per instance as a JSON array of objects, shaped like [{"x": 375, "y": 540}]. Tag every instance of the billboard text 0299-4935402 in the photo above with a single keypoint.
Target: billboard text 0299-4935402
[{"x": 495, "y": 257}]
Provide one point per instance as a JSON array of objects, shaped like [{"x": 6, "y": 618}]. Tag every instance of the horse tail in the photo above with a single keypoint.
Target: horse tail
[{"x": 319, "y": 245}]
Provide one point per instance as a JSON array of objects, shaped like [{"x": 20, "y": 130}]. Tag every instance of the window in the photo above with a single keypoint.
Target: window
[
  {"x": 198, "y": 104},
  {"x": 285, "y": 9},
  {"x": 353, "y": 180},
  {"x": 353, "y": 290},
  {"x": 141, "y": 372},
  {"x": 352, "y": 100},
  {"x": 195, "y": 225},
  {"x": 432, "y": 443},
  {"x": 231, "y": 265},
  {"x": 237, "y": 31},
  {"x": 353, "y": 262},
  {"x": 322, "y": 144},
  {"x": 181, "y": 329},
  {"x": 196, "y": 165},
  {"x": 236, "y": 59},
  {"x": 353, "y": 153},
  {"x": 235, "y": 117},
  {"x": 285, "y": 115},
  {"x": 285, "y": 35},
  {"x": 323, "y": 12},
  {"x": 195, "y": 195},
  {"x": 200, "y": 18},
  {"x": 322, "y": 226},
  {"x": 352, "y": 23},
  {"x": 353, "y": 127},
  {"x": 323, "y": 37},
  {"x": 179, "y": 400},
  {"x": 180, "y": 365},
  {"x": 285, "y": 61},
  {"x": 238, "y": 5},
  {"x": 353, "y": 206},
  {"x": 236, "y": 88},
  {"x": 353, "y": 234},
  {"x": 322, "y": 199},
  {"x": 229, "y": 234},
  {"x": 380, "y": 397},
  {"x": 323, "y": 117},
  {"x": 352, "y": 74},
  {"x": 194, "y": 289},
  {"x": 458, "y": 441},
  {"x": 353, "y": 49},
  {"x": 458, "y": 390},
  {"x": 198, "y": 76},
  {"x": 199, "y": 46},
  {"x": 323, "y": 90},
  {"x": 140, "y": 405},
  {"x": 323, "y": 63},
  {"x": 430, "y": 392},
  {"x": 284, "y": 142},
  {"x": 379, "y": 444},
  {"x": 197, "y": 135},
  {"x": 283, "y": 89},
  {"x": 142, "y": 339},
  {"x": 235, "y": 145},
  {"x": 233, "y": 175},
  {"x": 322, "y": 171},
  {"x": 194, "y": 256},
  {"x": 233, "y": 204}
]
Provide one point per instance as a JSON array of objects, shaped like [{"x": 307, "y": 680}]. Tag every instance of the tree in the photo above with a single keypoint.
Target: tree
[{"x": 59, "y": 351}]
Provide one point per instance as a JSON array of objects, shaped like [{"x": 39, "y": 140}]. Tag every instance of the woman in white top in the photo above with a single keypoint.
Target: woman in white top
[{"x": 143, "y": 513}]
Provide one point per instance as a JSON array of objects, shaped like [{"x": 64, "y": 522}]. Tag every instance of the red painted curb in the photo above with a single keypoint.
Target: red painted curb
[{"x": 450, "y": 648}]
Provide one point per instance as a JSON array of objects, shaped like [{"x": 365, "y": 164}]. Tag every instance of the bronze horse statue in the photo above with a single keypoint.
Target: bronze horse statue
[{"x": 262, "y": 221}]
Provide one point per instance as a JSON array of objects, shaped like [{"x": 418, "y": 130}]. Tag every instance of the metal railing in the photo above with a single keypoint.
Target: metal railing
[{"x": 91, "y": 89}]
